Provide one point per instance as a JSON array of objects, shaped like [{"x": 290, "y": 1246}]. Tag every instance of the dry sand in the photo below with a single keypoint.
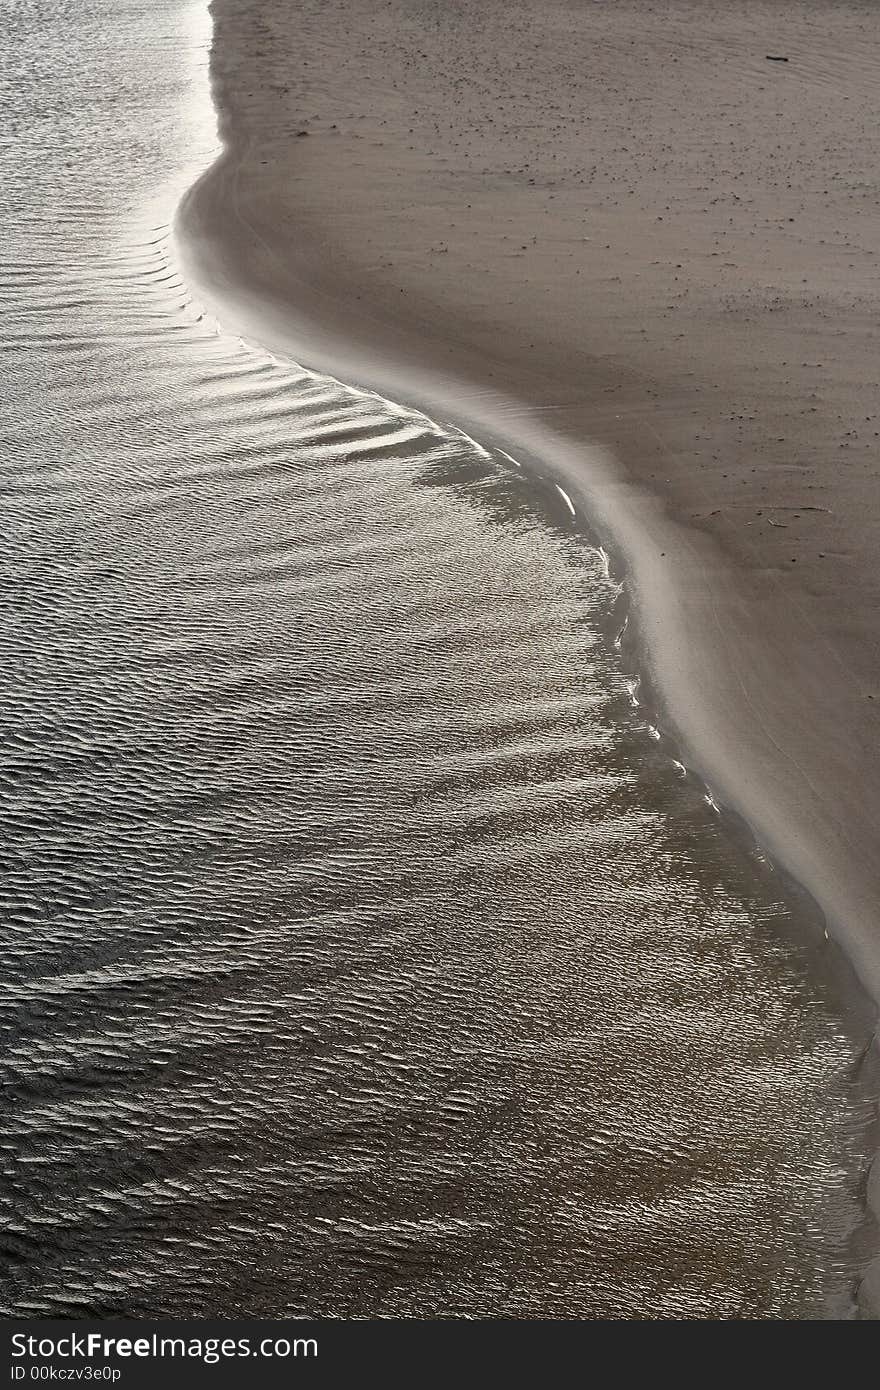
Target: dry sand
[{"x": 625, "y": 219}]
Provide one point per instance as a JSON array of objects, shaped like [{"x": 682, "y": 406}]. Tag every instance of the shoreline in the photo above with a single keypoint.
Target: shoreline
[
  {"x": 724, "y": 688},
  {"x": 679, "y": 584},
  {"x": 755, "y": 680}
]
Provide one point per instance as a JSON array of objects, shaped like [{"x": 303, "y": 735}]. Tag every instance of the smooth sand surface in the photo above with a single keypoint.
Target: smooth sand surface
[{"x": 621, "y": 223}]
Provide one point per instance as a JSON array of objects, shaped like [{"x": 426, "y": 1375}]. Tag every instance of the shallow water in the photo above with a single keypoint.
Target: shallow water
[{"x": 363, "y": 953}]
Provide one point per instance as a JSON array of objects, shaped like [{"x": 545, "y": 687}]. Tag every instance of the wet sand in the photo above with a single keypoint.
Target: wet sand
[
  {"x": 364, "y": 955},
  {"x": 568, "y": 224}
]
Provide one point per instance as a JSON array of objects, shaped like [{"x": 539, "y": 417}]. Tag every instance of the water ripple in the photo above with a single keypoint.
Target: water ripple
[{"x": 362, "y": 954}]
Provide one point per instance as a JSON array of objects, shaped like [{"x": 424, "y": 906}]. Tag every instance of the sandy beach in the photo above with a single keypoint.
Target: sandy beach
[
  {"x": 575, "y": 224},
  {"x": 381, "y": 940}
]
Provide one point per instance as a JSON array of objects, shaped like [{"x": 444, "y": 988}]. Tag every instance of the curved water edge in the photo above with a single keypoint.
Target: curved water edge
[
  {"x": 679, "y": 584},
  {"x": 624, "y": 636},
  {"x": 365, "y": 951},
  {"x": 630, "y": 533},
  {"x": 606, "y": 518}
]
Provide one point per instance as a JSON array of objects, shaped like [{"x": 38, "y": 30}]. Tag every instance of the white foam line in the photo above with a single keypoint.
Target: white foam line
[
  {"x": 566, "y": 499},
  {"x": 510, "y": 458},
  {"x": 481, "y": 450}
]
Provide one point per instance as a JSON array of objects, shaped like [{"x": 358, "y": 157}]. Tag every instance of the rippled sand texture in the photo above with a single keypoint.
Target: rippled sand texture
[{"x": 362, "y": 953}]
